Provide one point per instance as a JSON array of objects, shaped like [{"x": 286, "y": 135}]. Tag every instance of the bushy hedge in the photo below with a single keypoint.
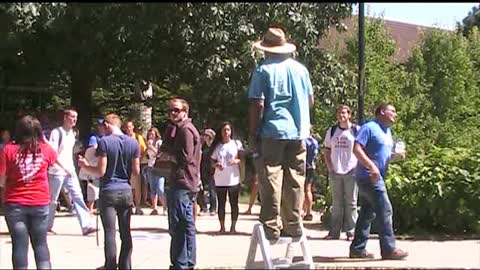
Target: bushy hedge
[{"x": 437, "y": 192}]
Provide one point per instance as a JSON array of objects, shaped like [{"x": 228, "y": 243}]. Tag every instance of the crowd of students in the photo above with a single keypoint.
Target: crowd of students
[{"x": 120, "y": 170}]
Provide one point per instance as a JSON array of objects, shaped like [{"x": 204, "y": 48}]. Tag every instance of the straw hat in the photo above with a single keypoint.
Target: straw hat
[{"x": 274, "y": 41}]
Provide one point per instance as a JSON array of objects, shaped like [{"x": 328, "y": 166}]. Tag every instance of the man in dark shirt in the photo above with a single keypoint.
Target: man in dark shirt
[
  {"x": 118, "y": 161},
  {"x": 183, "y": 186}
]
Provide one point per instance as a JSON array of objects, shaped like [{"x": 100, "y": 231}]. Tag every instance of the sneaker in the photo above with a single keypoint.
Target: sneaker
[
  {"x": 397, "y": 254},
  {"x": 361, "y": 255},
  {"x": 308, "y": 217},
  {"x": 138, "y": 211},
  {"x": 51, "y": 232},
  {"x": 89, "y": 230},
  {"x": 213, "y": 213},
  {"x": 154, "y": 212}
]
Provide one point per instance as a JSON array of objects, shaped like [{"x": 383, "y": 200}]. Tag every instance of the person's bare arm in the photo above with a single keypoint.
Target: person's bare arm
[
  {"x": 366, "y": 162},
  {"x": 3, "y": 179},
  {"x": 326, "y": 158},
  {"x": 98, "y": 170},
  {"x": 135, "y": 167}
]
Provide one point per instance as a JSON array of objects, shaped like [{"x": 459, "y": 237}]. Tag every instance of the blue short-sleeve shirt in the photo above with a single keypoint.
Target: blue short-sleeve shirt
[
  {"x": 284, "y": 85},
  {"x": 377, "y": 142},
  {"x": 120, "y": 151}
]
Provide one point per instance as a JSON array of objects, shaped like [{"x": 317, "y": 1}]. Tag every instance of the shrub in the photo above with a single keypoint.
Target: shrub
[{"x": 437, "y": 192}]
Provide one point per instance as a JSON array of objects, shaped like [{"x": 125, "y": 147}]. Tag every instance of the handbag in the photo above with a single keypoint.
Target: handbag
[{"x": 164, "y": 164}]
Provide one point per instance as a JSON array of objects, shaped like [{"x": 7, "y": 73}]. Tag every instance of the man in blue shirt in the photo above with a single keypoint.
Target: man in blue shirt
[
  {"x": 373, "y": 148},
  {"x": 118, "y": 161},
  {"x": 281, "y": 95}
]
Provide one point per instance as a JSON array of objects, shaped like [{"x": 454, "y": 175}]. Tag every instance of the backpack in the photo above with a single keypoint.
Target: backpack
[
  {"x": 60, "y": 137},
  {"x": 353, "y": 130}
]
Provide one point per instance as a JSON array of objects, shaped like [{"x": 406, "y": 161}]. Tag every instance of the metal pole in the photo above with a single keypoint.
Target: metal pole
[{"x": 361, "y": 62}]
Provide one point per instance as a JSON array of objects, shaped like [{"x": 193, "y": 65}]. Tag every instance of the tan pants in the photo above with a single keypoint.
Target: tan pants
[{"x": 281, "y": 182}]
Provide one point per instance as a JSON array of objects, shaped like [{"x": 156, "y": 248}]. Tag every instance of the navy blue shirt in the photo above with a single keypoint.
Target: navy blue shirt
[{"x": 120, "y": 151}]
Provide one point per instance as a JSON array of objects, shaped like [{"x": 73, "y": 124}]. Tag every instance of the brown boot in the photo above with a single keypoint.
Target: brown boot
[{"x": 397, "y": 254}]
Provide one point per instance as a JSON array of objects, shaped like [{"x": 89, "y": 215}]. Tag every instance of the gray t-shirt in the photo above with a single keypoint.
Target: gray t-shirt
[{"x": 120, "y": 151}]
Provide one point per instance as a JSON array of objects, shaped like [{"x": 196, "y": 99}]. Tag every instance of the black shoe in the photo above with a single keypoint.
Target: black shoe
[
  {"x": 308, "y": 217},
  {"x": 362, "y": 255},
  {"x": 138, "y": 211}
]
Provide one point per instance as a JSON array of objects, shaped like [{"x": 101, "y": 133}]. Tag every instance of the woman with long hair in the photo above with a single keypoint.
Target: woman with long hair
[
  {"x": 156, "y": 181},
  {"x": 226, "y": 160},
  {"x": 23, "y": 170}
]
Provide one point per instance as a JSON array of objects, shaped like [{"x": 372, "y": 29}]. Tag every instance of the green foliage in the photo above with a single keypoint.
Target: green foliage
[
  {"x": 470, "y": 21},
  {"x": 201, "y": 51},
  {"x": 437, "y": 191}
]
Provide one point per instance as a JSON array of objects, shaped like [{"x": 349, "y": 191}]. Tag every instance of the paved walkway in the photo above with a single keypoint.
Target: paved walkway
[{"x": 69, "y": 249}]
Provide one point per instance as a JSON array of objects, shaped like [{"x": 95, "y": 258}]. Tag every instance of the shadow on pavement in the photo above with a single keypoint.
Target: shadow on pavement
[
  {"x": 314, "y": 226},
  {"x": 337, "y": 259},
  {"x": 149, "y": 229},
  {"x": 216, "y": 233}
]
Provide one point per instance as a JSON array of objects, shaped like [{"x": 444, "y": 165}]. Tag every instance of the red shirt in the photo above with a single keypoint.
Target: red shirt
[{"x": 26, "y": 180}]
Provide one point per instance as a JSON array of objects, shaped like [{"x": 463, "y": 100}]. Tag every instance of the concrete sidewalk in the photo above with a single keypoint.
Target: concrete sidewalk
[{"x": 151, "y": 243}]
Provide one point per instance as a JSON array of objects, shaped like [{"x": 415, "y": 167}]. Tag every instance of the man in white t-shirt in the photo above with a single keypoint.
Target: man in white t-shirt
[
  {"x": 341, "y": 162},
  {"x": 62, "y": 139}
]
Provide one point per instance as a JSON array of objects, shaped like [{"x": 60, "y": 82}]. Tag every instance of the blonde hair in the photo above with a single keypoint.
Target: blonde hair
[
  {"x": 113, "y": 119},
  {"x": 157, "y": 133}
]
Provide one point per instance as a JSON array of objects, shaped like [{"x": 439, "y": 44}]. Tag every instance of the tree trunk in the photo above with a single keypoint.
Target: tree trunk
[
  {"x": 81, "y": 92},
  {"x": 144, "y": 114}
]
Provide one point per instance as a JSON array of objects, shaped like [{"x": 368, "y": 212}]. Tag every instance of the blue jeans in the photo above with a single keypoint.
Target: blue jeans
[
  {"x": 157, "y": 183},
  {"x": 112, "y": 205},
  {"x": 181, "y": 226},
  {"x": 374, "y": 203},
  {"x": 26, "y": 222},
  {"x": 73, "y": 186}
]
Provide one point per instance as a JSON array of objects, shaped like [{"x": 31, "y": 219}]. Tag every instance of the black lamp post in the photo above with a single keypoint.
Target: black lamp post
[{"x": 361, "y": 62}]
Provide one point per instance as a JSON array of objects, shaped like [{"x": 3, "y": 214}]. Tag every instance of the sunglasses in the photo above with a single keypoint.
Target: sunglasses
[{"x": 175, "y": 110}]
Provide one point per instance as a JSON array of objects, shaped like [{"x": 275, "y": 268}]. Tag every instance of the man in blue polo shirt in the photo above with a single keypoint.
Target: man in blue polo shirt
[
  {"x": 281, "y": 96},
  {"x": 373, "y": 148}
]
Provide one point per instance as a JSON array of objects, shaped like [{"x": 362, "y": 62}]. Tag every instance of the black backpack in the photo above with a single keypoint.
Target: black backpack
[{"x": 353, "y": 130}]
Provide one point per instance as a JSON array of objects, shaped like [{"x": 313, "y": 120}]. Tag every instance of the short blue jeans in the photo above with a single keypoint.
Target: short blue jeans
[
  {"x": 181, "y": 226},
  {"x": 28, "y": 223},
  {"x": 157, "y": 183},
  {"x": 374, "y": 204}
]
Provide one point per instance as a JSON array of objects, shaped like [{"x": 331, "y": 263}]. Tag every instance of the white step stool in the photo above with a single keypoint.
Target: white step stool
[{"x": 258, "y": 238}]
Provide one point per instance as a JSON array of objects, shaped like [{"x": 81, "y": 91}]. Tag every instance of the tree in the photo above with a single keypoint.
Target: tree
[
  {"x": 200, "y": 51},
  {"x": 471, "y": 20}
]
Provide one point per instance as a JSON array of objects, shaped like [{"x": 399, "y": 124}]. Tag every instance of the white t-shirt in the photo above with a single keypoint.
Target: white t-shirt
[
  {"x": 92, "y": 160},
  {"x": 230, "y": 175},
  {"x": 64, "y": 150},
  {"x": 152, "y": 156},
  {"x": 341, "y": 149}
]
